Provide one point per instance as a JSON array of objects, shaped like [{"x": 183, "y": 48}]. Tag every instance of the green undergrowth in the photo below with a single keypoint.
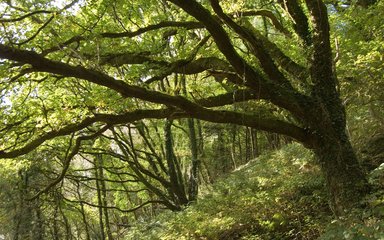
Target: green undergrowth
[
  {"x": 279, "y": 195},
  {"x": 366, "y": 222}
]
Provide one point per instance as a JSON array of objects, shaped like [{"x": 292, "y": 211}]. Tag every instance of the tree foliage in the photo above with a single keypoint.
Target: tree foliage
[{"x": 115, "y": 105}]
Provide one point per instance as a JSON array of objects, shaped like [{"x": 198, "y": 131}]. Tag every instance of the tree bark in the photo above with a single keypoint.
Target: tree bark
[
  {"x": 248, "y": 148},
  {"x": 68, "y": 232},
  {"x": 345, "y": 179},
  {"x": 56, "y": 231},
  {"x": 173, "y": 167},
  {"x": 104, "y": 195},
  {"x": 82, "y": 212},
  {"x": 38, "y": 231},
  {"x": 233, "y": 145},
  {"x": 193, "y": 185},
  {"x": 318, "y": 112},
  {"x": 99, "y": 200},
  {"x": 255, "y": 146}
]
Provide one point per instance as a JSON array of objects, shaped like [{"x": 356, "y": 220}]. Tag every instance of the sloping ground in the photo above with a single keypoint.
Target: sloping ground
[{"x": 279, "y": 195}]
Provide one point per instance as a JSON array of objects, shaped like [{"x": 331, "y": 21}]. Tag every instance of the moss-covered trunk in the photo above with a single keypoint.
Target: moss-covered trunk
[{"x": 346, "y": 182}]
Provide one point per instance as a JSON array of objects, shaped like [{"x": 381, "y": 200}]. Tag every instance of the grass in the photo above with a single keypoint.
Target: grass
[{"x": 279, "y": 195}]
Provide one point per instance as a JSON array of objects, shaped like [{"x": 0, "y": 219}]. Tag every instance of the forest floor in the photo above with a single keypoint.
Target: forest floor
[{"x": 279, "y": 195}]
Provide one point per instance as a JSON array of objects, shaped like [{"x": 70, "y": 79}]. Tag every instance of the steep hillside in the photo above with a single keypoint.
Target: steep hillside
[{"x": 279, "y": 195}]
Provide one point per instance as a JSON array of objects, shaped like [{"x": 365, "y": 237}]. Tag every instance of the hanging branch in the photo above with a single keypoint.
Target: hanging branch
[{"x": 68, "y": 159}]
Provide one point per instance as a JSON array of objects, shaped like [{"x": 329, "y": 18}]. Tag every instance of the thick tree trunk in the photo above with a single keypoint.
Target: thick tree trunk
[
  {"x": 346, "y": 182},
  {"x": 345, "y": 179}
]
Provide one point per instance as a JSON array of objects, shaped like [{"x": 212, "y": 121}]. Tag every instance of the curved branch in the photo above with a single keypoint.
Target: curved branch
[
  {"x": 180, "y": 66},
  {"x": 240, "y": 95},
  {"x": 265, "y": 123},
  {"x": 119, "y": 59},
  {"x": 71, "y": 128},
  {"x": 185, "y": 66},
  {"x": 257, "y": 48},
  {"x": 285, "y": 62},
  {"x": 68, "y": 159},
  {"x": 268, "y": 14},
  {"x": 165, "y": 24},
  {"x": 280, "y": 95},
  {"x": 187, "y": 107},
  {"x": 113, "y": 207},
  {"x": 322, "y": 62},
  {"x": 301, "y": 25},
  {"x": 4, "y": 20},
  {"x": 143, "y": 179},
  {"x": 37, "y": 32},
  {"x": 47, "y": 136},
  {"x": 322, "y": 70}
]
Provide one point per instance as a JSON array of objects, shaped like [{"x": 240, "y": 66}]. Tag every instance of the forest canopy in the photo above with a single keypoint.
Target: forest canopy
[{"x": 140, "y": 102}]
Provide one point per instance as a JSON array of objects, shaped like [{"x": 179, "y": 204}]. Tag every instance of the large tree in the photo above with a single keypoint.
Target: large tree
[{"x": 98, "y": 64}]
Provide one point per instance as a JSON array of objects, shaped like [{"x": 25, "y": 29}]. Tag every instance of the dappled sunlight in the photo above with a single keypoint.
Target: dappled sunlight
[
  {"x": 198, "y": 119},
  {"x": 251, "y": 201}
]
